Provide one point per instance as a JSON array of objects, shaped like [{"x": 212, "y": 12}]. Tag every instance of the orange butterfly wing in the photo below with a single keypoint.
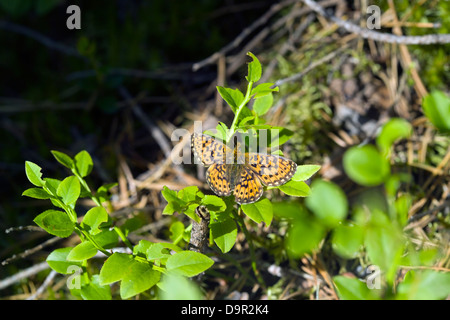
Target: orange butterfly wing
[
  {"x": 271, "y": 169},
  {"x": 207, "y": 150},
  {"x": 248, "y": 189},
  {"x": 218, "y": 179}
]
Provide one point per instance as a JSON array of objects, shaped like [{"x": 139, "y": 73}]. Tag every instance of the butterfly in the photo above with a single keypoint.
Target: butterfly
[{"x": 245, "y": 174}]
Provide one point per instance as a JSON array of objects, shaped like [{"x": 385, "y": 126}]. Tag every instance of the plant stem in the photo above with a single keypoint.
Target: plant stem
[
  {"x": 250, "y": 244},
  {"x": 238, "y": 111},
  {"x": 92, "y": 240},
  {"x": 123, "y": 237},
  {"x": 97, "y": 202},
  {"x": 85, "y": 185}
]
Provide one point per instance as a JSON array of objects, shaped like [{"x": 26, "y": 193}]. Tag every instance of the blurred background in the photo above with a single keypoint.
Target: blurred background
[{"x": 136, "y": 70}]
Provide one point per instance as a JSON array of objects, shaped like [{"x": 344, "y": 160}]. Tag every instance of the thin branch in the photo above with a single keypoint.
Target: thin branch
[
  {"x": 312, "y": 66},
  {"x": 379, "y": 36},
  {"x": 247, "y": 31},
  {"x": 44, "y": 286},
  {"x": 24, "y": 274},
  {"x": 154, "y": 130},
  {"x": 46, "y": 41},
  {"x": 31, "y": 251}
]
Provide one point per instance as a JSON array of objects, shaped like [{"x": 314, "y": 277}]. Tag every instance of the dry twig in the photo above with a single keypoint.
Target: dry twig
[{"x": 379, "y": 36}]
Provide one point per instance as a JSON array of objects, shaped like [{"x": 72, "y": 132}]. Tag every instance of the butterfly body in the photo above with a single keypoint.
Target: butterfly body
[{"x": 232, "y": 170}]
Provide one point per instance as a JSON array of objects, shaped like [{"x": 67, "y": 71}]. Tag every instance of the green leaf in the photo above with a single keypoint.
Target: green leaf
[
  {"x": 161, "y": 250},
  {"x": 115, "y": 268},
  {"x": 170, "y": 208},
  {"x": 82, "y": 251},
  {"x": 175, "y": 287},
  {"x": 63, "y": 158},
  {"x": 142, "y": 247},
  {"x": 188, "y": 263},
  {"x": 347, "y": 240},
  {"x": 295, "y": 188},
  {"x": 402, "y": 205},
  {"x": 55, "y": 222},
  {"x": 169, "y": 195},
  {"x": 176, "y": 232},
  {"x": 33, "y": 172},
  {"x": 263, "y": 89},
  {"x": 69, "y": 190},
  {"x": 57, "y": 260},
  {"x": 94, "y": 291},
  {"x": 384, "y": 244},
  {"x": 353, "y": 289},
  {"x": 224, "y": 234},
  {"x": 254, "y": 69},
  {"x": 263, "y": 104},
  {"x": 214, "y": 203},
  {"x": 334, "y": 209},
  {"x": 107, "y": 238},
  {"x": 259, "y": 211},
  {"x": 304, "y": 172},
  {"x": 131, "y": 224},
  {"x": 245, "y": 113},
  {"x": 135, "y": 276},
  {"x": 36, "y": 193},
  {"x": 424, "y": 285},
  {"x": 234, "y": 98},
  {"x": 157, "y": 251},
  {"x": 93, "y": 218},
  {"x": 278, "y": 136},
  {"x": 394, "y": 129},
  {"x": 366, "y": 166},
  {"x": 244, "y": 121},
  {"x": 102, "y": 192},
  {"x": 304, "y": 235},
  {"x": 222, "y": 131},
  {"x": 83, "y": 163},
  {"x": 52, "y": 185},
  {"x": 436, "y": 107},
  {"x": 287, "y": 209},
  {"x": 189, "y": 194}
]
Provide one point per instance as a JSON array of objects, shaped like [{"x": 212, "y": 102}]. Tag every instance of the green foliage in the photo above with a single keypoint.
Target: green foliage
[
  {"x": 393, "y": 130},
  {"x": 57, "y": 260},
  {"x": 365, "y": 165},
  {"x": 436, "y": 107},
  {"x": 353, "y": 289},
  {"x": 424, "y": 285},
  {"x": 137, "y": 272},
  {"x": 136, "y": 276},
  {"x": 224, "y": 215},
  {"x": 55, "y": 222},
  {"x": 332, "y": 211},
  {"x": 376, "y": 229},
  {"x": 179, "y": 288},
  {"x": 369, "y": 228}
]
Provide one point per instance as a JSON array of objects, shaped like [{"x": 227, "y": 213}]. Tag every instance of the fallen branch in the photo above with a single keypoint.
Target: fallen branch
[
  {"x": 46, "y": 41},
  {"x": 379, "y": 36}
]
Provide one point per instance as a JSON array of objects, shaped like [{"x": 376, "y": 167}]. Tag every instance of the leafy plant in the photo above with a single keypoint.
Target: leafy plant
[
  {"x": 436, "y": 107},
  {"x": 376, "y": 224},
  {"x": 226, "y": 214},
  {"x": 137, "y": 272},
  {"x": 144, "y": 267}
]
